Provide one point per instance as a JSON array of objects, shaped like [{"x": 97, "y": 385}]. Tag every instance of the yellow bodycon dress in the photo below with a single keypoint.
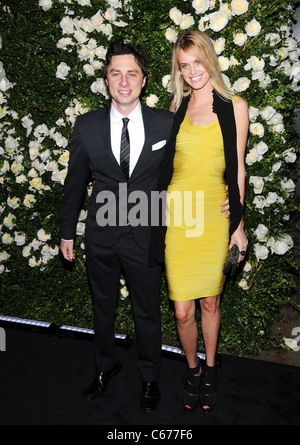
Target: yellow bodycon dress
[{"x": 197, "y": 232}]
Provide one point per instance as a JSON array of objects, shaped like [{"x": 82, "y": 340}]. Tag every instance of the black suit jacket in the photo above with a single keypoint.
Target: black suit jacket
[{"x": 91, "y": 155}]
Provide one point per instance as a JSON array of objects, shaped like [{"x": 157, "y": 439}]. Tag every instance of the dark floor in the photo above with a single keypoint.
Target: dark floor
[{"x": 42, "y": 379}]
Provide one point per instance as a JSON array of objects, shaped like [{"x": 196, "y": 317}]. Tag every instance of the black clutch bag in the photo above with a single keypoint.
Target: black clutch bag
[{"x": 231, "y": 261}]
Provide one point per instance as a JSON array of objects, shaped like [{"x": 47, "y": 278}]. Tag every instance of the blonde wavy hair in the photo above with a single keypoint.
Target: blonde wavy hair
[{"x": 197, "y": 44}]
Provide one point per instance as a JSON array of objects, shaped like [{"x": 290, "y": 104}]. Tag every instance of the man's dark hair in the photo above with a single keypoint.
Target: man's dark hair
[{"x": 121, "y": 47}]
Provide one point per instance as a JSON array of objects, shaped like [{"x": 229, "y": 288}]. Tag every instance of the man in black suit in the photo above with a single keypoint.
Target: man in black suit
[{"x": 122, "y": 165}]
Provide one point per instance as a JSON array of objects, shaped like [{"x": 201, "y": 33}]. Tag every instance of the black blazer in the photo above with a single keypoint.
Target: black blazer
[
  {"x": 91, "y": 154},
  {"x": 225, "y": 112}
]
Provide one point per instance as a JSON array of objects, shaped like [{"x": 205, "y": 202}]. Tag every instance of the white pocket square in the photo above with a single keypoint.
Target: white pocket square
[{"x": 158, "y": 145}]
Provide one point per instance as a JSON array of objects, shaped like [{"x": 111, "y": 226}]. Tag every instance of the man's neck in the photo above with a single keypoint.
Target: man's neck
[{"x": 125, "y": 110}]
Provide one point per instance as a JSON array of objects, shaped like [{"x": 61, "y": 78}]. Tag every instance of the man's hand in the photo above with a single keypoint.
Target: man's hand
[{"x": 66, "y": 248}]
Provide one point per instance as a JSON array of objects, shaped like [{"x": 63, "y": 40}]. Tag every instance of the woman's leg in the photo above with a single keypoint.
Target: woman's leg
[
  {"x": 210, "y": 321},
  {"x": 188, "y": 334},
  {"x": 187, "y": 329}
]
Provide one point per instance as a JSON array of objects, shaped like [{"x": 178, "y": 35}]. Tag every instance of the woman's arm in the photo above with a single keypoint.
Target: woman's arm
[{"x": 242, "y": 125}]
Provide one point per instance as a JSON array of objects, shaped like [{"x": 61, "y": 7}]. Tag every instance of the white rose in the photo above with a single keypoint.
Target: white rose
[
  {"x": 219, "y": 46},
  {"x": 67, "y": 25},
  {"x": 252, "y": 157},
  {"x": 97, "y": 19},
  {"x": 261, "y": 232},
  {"x": 100, "y": 52},
  {"x": 99, "y": 86},
  {"x": 224, "y": 63},
  {"x": 261, "y": 252},
  {"x": 281, "y": 246},
  {"x": 4, "y": 256},
  {"x": 27, "y": 123},
  {"x": 171, "y": 35},
  {"x": 259, "y": 201},
  {"x": 255, "y": 64},
  {"x": 88, "y": 69},
  {"x": 218, "y": 20},
  {"x": 62, "y": 71},
  {"x": 64, "y": 42},
  {"x": 279, "y": 128},
  {"x": 29, "y": 201},
  {"x": 124, "y": 293},
  {"x": 289, "y": 156},
  {"x": 200, "y": 6},
  {"x": 240, "y": 38},
  {"x": 239, "y": 7},
  {"x": 36, "y": 183},
  {"x": 257, "y": 129},
  {"x": 247, "y": 267},
  {"x": 34, "y": 148},
  {"x": 20, "y": 238},
  {"x": 276, "y": 166},
  {"x": 13, "y": 202},
  {"x": 114, "y": 3},
  {"x": 243, "y": 284},
  {"x": 268, "y": 112},
  {"x": 242, "y": 84},
  {"x": 45, "y": 4},
  {"x": 9, "y": 221},
  {"x": 272, "y": 198},
  {"x": 21, "y": 179},
  {"x": 274, "y": 38},
  {"x": 84, "y": 2},
  {"x": 175, "y": 15},
  {"x": 33, "y": 262},
  {"x": 80, "y": 228},
  {"x": 288, "y": 185},
  {"x": 11, "y": 143},
  {"x": 283, "y": 53},
  {"x": 187, "y": 21},
  {"x": 262, "y": 148},
  {"x": 26, "y": 251},
  {"x": 204, "y": 23},
  {"x": 152, "y": 100},
  {"x": 253, "y": 113},
  {"x": 42, "y": 235},
  {"x": 111, "y": 15},
  {"x": 7, "y": 238},
  {"x": 16, "y": 167},
  {"x": 166, "y": 81},
  {"x": 258, "y": 183},
  {"x": 253, "y": 28}
]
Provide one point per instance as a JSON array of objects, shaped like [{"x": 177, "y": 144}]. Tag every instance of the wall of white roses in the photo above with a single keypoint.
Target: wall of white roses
[{"x": 64, "y": 45}]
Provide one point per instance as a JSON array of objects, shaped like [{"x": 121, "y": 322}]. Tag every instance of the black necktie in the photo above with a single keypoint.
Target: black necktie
[{"x": 125, "y": 148}]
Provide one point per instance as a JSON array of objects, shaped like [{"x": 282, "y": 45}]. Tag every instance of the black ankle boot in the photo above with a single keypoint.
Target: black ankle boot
[
  {"x": 191, "y": 389},
  {"x": 208, "y": 391}
]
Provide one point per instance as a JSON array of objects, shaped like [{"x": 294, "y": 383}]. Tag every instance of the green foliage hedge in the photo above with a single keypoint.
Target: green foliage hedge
[{"x": 51, "y": 70}]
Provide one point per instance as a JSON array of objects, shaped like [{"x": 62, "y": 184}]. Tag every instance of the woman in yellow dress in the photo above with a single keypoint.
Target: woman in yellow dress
[{"x": 209, "y": 137}]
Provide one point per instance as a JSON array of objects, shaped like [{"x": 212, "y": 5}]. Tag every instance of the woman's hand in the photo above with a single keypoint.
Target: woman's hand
[
  {"x": 240, "y": 239},
  {"x": 225, "y": 205}
]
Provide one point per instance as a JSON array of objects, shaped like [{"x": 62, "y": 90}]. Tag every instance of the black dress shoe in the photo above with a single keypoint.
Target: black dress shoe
[
  {"x": 150, "y": 396},
  {"x": 100, "y": 383}
]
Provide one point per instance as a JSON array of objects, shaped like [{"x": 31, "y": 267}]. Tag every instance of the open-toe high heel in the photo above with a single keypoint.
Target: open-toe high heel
[
  {"x": 208, "y": 390},
  {"x": 191, "y": 389}
]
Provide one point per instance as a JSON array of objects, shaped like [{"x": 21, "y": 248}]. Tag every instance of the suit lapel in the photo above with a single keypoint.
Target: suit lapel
[
  {"x": 148, "y": 128},
  {"x": 106, "y": 133}
]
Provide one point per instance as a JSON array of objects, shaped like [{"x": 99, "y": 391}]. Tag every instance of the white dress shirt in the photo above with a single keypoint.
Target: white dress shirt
[{"x": 136, "y": 134}]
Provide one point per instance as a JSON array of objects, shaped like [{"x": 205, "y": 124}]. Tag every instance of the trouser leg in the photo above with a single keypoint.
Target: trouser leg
[{"x": 144, "y": 289}]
